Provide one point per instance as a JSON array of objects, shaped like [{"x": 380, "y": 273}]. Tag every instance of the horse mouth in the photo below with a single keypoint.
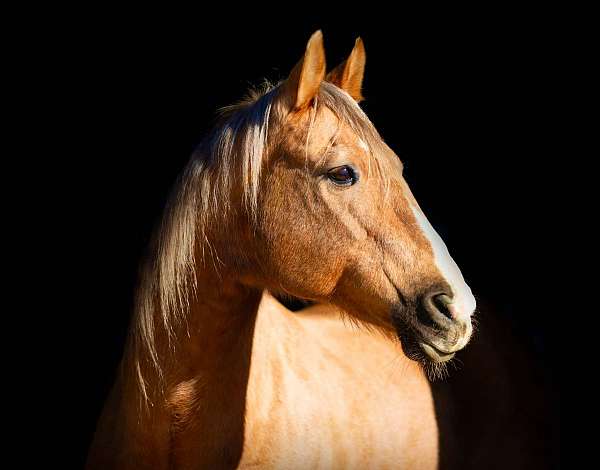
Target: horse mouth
[
  {"x": 418, "y": 348},
  {"x": 419, "y": 345}
]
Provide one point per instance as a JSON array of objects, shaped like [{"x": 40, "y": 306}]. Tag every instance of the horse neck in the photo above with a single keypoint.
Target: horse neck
[
  {"x": 213, "y": 342},
  {"x": 218, "y": 331},
  {"x": 208, "y": 365}
]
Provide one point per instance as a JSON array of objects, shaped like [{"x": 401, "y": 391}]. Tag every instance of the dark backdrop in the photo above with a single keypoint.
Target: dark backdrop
[{"x": 464, "y": 103}]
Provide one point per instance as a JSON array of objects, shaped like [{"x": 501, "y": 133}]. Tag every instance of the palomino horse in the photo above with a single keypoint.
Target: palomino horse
[{"x": 294, "y": 193}]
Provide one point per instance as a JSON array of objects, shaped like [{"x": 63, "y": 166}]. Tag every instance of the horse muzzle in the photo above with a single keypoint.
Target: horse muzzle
[
  {"x": 441, "y": 327},
  {"x": 443, "y": 324}
]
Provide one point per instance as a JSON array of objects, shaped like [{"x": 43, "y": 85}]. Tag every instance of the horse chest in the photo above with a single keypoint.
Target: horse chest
[{"x": 307, "y": 409}]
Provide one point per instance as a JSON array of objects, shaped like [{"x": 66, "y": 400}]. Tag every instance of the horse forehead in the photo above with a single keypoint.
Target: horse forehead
[{"x": 315, "y": 133}]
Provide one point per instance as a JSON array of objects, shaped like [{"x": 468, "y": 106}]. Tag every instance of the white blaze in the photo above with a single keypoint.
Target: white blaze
[{"x": 463, "y": 304}]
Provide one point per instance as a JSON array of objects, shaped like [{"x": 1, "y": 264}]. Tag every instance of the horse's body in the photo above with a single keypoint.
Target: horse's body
[{"x": 295, "y": 193}]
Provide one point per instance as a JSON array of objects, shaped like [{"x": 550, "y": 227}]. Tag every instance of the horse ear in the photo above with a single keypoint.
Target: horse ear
[
  {"x": 304, "y": 81},
  {"x": 349, "y": 74}
]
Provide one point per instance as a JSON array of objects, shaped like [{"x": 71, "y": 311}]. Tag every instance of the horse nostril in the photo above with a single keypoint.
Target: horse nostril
[
  {"x": 442, "y": 303},
  {"x": 435, "y": 310}
]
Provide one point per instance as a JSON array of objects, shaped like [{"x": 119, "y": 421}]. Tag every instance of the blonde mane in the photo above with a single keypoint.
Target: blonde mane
[{"x": 238, "y": 143}]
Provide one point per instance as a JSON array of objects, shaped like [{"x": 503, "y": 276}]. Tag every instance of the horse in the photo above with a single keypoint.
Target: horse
[{"x": 293, "y": 193}]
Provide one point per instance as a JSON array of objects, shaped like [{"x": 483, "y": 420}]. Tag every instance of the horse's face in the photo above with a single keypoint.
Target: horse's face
[{"x": 339, "y": 224}]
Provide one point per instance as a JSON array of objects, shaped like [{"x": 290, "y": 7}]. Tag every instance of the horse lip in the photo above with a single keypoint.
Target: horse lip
[
  {"x": 435, "y": 354},
  {"x": 411, "y": 336}
]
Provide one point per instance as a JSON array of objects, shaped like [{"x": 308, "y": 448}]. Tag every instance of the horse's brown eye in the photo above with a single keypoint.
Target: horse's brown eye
[{"x": 342, "y": 175}]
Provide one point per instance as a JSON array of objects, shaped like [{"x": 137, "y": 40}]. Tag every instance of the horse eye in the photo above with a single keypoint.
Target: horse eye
[{"x": 342, "y": 175}]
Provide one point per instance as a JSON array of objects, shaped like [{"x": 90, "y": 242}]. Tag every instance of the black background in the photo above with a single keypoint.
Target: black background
[{"x": 465, "y": 100}]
